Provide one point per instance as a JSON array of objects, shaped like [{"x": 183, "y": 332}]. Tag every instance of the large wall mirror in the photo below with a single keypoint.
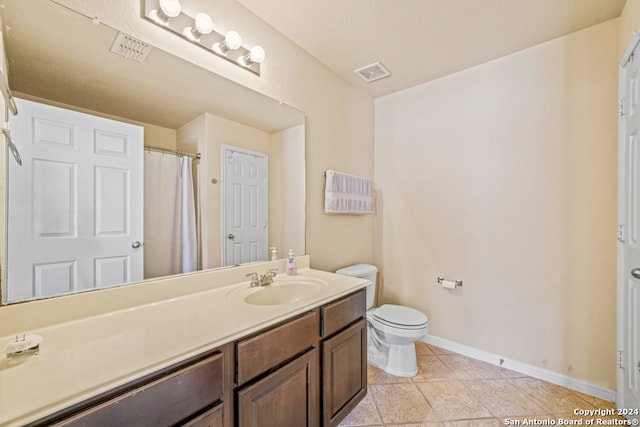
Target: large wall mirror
[{"x": 62, "y": 68}]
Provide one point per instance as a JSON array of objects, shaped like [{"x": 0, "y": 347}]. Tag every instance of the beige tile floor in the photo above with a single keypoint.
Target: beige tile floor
[{"x": 452, "y": 390}]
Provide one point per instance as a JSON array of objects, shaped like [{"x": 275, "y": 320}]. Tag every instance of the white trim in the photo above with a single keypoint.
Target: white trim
[
  {"x": 524, "y": 368},
  {"x": 621, "y": 320},
  {"x": 632, "y": 46}
]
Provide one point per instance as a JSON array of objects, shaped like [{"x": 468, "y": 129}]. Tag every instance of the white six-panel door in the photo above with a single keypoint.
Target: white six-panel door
[
  {"x": 628, "y": 389},
  {"x": 75, "y": 206},
  {"x": 245, "y": 230}
]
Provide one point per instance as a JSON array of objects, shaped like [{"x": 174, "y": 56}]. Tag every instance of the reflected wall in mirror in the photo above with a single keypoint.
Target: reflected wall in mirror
[{"x": 57, "y": 57}]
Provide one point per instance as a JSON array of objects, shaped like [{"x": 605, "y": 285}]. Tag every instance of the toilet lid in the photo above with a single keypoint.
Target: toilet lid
[{"x": 398, "y": 315}]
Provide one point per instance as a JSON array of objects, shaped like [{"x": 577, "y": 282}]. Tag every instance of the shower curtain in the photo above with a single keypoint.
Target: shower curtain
[{"x": 170, "y": 236}]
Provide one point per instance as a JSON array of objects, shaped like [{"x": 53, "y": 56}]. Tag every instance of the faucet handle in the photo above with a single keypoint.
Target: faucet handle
[
  {"x": 273, "y": 272},
  {"x": 255, "y": 281}
]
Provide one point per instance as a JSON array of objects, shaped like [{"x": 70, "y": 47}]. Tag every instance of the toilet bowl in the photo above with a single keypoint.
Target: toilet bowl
[{"x": 392, "y": 330}]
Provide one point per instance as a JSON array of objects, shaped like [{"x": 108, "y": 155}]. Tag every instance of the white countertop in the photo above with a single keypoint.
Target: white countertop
[{"x": 83, "y": 357}]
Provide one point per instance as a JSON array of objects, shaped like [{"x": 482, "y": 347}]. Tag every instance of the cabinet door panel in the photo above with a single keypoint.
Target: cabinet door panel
[
  {"x": 286, "y": 398},
  {"x": 344, "y": 372}
]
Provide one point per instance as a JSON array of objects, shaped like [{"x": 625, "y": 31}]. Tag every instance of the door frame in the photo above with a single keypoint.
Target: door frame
[
  {"x": 223, "y": 197},
  {"x": 622, "y": 344}
]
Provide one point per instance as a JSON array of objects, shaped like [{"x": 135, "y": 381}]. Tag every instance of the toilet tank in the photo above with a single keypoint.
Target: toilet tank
[{"x": 363, "y": 271}]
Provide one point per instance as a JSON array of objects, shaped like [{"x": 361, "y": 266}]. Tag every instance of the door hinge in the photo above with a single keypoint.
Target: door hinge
[
  {"x": 619, "y": 362},
  {"x": 621, "y": 233},
  {"x": 621, "y": 107}
]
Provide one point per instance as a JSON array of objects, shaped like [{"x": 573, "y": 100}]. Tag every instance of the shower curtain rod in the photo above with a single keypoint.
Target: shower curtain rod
[{"x": 176, "y": 152}]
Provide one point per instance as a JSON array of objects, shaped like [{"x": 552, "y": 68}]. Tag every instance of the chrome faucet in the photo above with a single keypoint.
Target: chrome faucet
[
  {"x": 263, "y": 280},
  {"x": 254, "y": 279}
]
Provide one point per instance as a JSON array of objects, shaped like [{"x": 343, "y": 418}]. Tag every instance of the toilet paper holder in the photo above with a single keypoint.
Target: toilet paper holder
[{"x": 457, "y": 282}]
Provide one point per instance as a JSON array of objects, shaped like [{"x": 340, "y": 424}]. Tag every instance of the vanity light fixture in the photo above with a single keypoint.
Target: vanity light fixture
[
  {"x": 200, "y": 30},
  {"x": 166, "y": 10}
]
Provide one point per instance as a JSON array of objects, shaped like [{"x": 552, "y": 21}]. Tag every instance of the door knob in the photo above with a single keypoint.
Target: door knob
[
  {"x": 135, "y": 245},
  {"x": 635, "y": 273},
  {"x": 231, "y": 236}
]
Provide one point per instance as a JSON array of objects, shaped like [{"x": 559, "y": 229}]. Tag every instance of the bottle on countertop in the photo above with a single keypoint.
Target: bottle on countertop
[{"x": 292, "y": 269}]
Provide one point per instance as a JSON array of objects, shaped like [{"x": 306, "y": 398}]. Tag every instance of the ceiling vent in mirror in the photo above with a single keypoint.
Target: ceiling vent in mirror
[
  {"x": 130, "y": 47},
  {"x": 373, "y": 72}
]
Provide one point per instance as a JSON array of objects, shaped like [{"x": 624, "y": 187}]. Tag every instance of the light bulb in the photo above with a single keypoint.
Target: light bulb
[
  {"x": 168, "y": 9},
  {"x": 232, "y": 40},
  {"x": 255, "y": 55},
  {"x": 202, "y": 25}
]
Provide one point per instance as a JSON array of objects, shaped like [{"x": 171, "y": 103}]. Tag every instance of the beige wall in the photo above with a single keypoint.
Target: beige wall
[
  {"x": 629, "y": 22},
  {"x": 210, "y": 133},
  {"x": 504, "y": 176},
  {"x": 285, "y": 150},
  {"x": 339, "y": 125},
  {"x": 286, "y": 213},
  {"x": 153, "y": 135}
]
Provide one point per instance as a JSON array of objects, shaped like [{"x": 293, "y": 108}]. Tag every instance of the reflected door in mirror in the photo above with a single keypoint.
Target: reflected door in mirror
[
  {"x": 245, "y": 207},
  {"x": 75, "y": 205}
]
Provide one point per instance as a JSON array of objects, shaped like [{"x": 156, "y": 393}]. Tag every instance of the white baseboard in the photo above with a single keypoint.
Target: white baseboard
[{"x": 524, "y": 368}]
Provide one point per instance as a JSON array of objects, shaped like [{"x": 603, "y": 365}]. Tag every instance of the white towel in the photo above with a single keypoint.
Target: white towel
[{"x": 347, "y": 194}]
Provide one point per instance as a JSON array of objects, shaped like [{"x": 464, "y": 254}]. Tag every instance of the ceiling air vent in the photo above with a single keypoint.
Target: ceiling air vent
[
  {"x": 130, "y": 47},
  {"x": 373, "y": 72}
]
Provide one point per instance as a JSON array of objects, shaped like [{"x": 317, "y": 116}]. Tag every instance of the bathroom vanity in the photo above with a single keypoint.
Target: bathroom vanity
[{"x": 294, "y": 363}]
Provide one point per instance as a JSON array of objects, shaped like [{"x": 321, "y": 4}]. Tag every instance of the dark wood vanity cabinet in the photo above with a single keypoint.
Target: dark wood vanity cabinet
[{"x": 309, "y": 370}]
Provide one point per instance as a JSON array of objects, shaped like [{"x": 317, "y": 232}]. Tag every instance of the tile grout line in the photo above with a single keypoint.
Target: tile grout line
[{"x": 375, "y": 403}]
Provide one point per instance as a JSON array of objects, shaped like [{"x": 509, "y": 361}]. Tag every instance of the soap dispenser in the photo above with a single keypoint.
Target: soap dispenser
[{"x": 292, "y": 269}]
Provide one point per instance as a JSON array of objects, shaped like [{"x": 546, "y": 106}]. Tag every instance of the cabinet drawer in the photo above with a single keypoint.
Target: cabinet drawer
[
  {"x": 258, "y": 354},
  {"x": 341, "y": 313},
  {"x": 163, "y": 402}
]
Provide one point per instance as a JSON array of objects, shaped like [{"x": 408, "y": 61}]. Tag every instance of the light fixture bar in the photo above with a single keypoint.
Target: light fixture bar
[{"x": 213, "y": 41}]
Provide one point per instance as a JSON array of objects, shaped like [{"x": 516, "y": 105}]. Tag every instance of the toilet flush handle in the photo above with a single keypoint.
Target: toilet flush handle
[{"x": 635, "y": 273}]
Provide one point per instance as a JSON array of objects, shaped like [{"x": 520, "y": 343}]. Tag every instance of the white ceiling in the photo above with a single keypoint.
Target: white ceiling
[{"x": 422, "y": 40}]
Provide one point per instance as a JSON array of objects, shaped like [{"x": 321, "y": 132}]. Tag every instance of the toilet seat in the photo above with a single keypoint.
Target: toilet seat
[{"x": 397, "y": 316}]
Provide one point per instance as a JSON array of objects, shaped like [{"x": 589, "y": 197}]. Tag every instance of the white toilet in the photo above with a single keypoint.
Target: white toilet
[{"x": 392, "y": 329}]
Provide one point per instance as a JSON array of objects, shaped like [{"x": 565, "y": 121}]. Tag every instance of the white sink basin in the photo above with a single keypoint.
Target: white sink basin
[{"x": 285, "y": 291}]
